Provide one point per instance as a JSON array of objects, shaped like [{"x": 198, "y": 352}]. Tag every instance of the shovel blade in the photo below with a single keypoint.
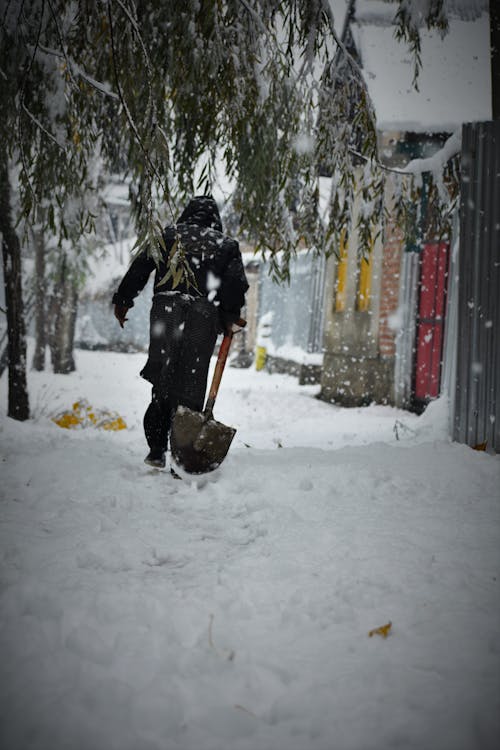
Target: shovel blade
[{"x": 199, "y": 445}]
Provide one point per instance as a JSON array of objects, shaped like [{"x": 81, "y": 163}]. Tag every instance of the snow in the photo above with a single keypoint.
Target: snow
[
  {"x": 232, "y": 612},
  {"x": 454, "y": 83},
  {"x": 382, "y": 12},
  {"x": 437, "y": 161},
  {"x": 292, "y": 353},
  {"x": 116, "y": 191},
  {"x": 108, "y": 266},
  {"x": 103, "y": 87},
  {"x": 304, "y": 143}
]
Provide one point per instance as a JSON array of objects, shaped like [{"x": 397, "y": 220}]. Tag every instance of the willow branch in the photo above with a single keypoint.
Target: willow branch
[
  {"x": 61, "y": 40},
  {"x": 128, "y": 114},
  {"x": 151, "y": 167},
  {"x": 23, "y": 106},
  {"x": 41, "y": 127}
]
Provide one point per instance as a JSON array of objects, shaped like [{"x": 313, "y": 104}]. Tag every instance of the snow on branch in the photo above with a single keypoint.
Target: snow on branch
[{"x": 437, "y": 161}]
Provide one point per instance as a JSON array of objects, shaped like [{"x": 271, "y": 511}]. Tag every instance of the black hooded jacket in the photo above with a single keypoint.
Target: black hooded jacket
[{"x": 214, "y": 259}]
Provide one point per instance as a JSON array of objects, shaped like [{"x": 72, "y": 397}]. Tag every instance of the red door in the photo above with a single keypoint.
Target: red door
[{"x": 430, "y": 321}]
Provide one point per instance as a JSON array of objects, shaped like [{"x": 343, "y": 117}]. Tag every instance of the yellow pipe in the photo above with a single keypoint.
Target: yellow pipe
[{"x": 341, "y": 283}]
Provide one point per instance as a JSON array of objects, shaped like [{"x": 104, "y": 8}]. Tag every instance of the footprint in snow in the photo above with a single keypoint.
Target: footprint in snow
[{"x": 306, "y": 485}]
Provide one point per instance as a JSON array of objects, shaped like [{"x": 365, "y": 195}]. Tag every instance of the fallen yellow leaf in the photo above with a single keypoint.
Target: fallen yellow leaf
[
  {"x": 84, "y": 415},
  {"x": 68, "y": 421},
  {"x": 383, "y": 630},
  {"x": 114, "y": 425}
]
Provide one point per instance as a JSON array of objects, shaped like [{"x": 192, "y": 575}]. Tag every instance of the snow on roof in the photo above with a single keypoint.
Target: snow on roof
[{"x": 454, "y": 82}]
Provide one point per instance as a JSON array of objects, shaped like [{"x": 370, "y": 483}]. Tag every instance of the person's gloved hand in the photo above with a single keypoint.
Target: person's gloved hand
[
  {"x": 225, "y": 321},
  {"x": 120, "y": 313}
]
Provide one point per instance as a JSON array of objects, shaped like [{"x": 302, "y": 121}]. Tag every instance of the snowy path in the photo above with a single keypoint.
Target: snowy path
[{"x": 139, "y": 612}]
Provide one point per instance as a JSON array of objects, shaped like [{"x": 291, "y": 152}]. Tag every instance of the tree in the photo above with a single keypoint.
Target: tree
[
  {"x": 40, "y": 300},
  {"x": 166, "y": 88},
  {"x": 18, "y": 394}
]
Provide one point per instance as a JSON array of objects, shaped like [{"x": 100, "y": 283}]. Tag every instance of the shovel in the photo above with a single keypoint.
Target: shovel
[{"x": 199, "y": 443}]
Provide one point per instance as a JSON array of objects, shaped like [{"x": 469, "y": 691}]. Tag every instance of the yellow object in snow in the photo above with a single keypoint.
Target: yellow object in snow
[
  {"x": 480, "y": 446},
  {"x": 260, "y": 357},
  {"x": 383, "y": 630},
  {"x": 83, "y": 415}
]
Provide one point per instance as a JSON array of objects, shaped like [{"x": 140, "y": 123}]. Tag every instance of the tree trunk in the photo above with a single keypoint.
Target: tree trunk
[
  {"x": 18, "y": 402},
  {"x": 40, "y": 297},
  {"x": 63, "y": 320}
]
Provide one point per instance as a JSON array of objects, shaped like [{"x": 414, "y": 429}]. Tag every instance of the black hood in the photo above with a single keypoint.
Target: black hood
[{"x": 201, "y": 210}]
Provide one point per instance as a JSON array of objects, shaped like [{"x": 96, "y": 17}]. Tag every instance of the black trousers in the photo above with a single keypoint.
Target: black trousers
[
  {"x": 157, "y": 422},
  {"x": 183, "y": 335}
]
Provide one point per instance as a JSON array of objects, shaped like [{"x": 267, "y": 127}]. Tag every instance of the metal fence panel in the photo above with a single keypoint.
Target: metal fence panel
[
  {"x": 477, "y": 406},
  {"x": 297, "y": 307},
  {"x": 449, "y": 369},
  {"x": 405, "y": 338}
]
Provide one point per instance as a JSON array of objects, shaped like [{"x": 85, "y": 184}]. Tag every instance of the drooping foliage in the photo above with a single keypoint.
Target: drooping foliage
[{"x": 163, "y": 90}]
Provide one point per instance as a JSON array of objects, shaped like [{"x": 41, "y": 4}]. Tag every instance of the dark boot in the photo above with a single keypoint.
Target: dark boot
[
  {"x": 156, "y": 459},
  {"x": 156, "y": 429}
]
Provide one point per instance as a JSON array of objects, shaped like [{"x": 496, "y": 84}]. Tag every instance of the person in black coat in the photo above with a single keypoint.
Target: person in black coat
[{"x": 185, "y": 319}]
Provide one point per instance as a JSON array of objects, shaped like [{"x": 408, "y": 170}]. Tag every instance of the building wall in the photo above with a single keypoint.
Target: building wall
[
  {"x": 389, "y": 290},
  {"x": 359, "y": 345},
  {"x": 411, "y": 328}
]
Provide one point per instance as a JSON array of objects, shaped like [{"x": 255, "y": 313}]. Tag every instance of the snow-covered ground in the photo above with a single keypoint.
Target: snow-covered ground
[{"x": 140, "y": 612}]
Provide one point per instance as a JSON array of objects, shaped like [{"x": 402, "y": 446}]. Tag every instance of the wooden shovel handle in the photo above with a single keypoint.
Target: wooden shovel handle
[{"x": 219, "y": 367}]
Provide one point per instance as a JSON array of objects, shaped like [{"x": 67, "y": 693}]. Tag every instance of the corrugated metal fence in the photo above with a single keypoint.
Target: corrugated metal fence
[
  {"x": 477, "y": 405},
  {"x": 297, "y": 307}
]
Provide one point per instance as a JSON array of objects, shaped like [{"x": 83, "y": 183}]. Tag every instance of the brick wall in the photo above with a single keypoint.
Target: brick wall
[{"x": 389, "y": 292}]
